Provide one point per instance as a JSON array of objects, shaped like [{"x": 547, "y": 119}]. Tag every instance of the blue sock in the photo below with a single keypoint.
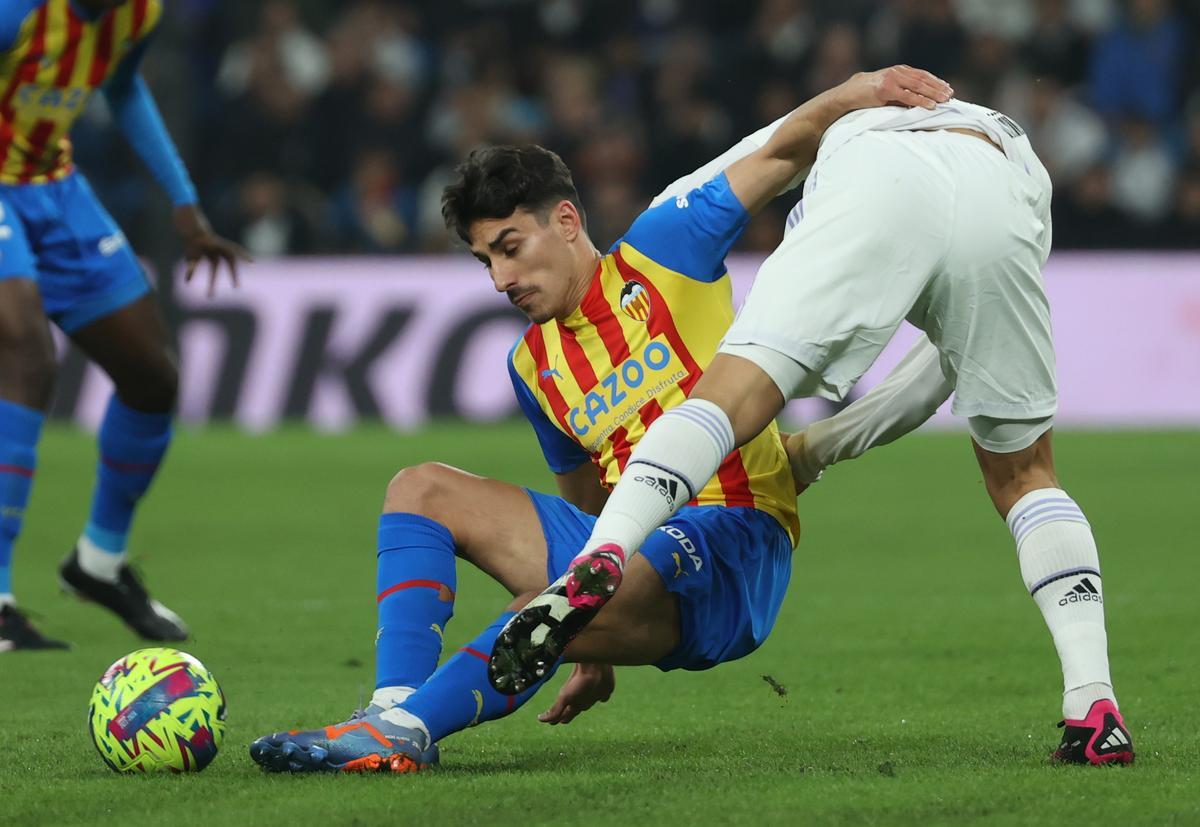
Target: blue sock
[
  {"x": 132, "y": 444},
  {"x": 459, "y": 695},
  {"x": 20, "y": 428},
  {"x": 415, "y": 593}
]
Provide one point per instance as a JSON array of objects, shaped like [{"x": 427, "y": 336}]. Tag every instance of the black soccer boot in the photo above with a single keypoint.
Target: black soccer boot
[
  {"x": 126, "y": 598},
  {"x": 17, "y": 633}
]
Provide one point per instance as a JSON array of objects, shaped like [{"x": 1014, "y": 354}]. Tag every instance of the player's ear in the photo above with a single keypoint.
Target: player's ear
[{"x": 568, "y": 220}]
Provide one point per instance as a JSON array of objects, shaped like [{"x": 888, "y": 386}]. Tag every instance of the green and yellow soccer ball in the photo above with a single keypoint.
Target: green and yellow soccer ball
[{"x": 155, "y": 710}]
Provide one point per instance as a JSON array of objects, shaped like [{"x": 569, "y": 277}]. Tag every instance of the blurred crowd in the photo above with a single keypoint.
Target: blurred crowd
[{"x": 319, "y": 126}]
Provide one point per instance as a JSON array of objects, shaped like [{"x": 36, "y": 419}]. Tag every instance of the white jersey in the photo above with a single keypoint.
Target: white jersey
[{"x": 954, "y": 114}]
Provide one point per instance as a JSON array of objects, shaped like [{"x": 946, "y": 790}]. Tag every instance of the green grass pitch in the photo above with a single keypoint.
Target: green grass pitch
[{"x": 921, "y": 686}]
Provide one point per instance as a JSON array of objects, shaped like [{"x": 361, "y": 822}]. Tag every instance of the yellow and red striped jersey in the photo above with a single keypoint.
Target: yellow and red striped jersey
[
  {"x": 52, "y": 57},
  {"x": 650, "y": 323}
]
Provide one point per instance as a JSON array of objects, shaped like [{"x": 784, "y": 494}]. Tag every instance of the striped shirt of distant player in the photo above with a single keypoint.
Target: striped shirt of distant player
[
  {"x": 636, "y": 345},
  {"x": 47, "y": 74}
]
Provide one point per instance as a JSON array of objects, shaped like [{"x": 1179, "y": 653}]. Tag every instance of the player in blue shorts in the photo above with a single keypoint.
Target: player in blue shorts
[
  {"x": 615, "y": 340},
  {"x": 63, "y": 259}
]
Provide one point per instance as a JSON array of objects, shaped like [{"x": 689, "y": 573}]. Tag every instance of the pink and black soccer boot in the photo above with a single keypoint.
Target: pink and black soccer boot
[
  {"x": 1100, "y": 738},
  {"x": 534, "y": 638}
]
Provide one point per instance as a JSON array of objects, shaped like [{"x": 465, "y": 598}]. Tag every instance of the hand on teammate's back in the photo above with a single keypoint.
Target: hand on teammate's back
[
  {"x": 200, "y": 242},
  {"x": 900, "y": 85}
]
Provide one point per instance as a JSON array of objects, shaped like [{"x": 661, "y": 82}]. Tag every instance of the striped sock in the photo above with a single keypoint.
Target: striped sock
[
  {"x": 415, "y": 595},
  {"x": 675, "y": 458},
  {"x": 132, "y": 444},
  {"x": 1061, "y": 569}
]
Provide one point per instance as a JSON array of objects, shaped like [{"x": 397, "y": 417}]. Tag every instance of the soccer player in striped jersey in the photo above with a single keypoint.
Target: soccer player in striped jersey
[
  {"x": 63, "y": 259},
  {"x": 616, "y": 340}
]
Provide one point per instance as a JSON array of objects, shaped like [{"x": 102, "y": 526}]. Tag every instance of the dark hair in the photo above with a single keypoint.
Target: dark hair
[{"x": 495, "y": 181}]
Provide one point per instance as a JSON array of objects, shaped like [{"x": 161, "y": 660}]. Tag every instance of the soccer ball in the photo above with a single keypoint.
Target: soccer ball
[{"x": 157, "y": 709}]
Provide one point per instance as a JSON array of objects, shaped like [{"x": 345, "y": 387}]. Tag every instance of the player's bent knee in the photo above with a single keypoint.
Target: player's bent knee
[
  {"x": 423, "y": 489},
  {"x": 155, "y": 390}
]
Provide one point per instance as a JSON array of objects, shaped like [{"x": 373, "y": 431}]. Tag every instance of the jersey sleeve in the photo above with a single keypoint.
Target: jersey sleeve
[
  {"x": 13, "y": 14},
  {"x": 561, "y": 452},
  {"x": 693, "y": 233},
  {"x": 138, "y": 117}
]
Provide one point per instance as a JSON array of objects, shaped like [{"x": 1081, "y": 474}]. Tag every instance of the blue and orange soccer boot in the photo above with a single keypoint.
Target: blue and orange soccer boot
[
  {"x": 365, "y": 743},
  {"x": 534, "y": 638},
  {"x": 1100, "y": 738}
]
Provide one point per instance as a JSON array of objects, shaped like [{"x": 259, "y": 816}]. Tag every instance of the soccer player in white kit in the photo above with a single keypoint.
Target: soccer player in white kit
[{"x": 939, "y": 216}]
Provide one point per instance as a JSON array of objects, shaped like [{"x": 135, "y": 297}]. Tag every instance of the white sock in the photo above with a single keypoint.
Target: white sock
[
  {"x": 1061, "y": 569},
  {"x": 675, "y": 459},
  {"x": 7, "y": 599},
  {"x": 101, "y": 564},
  {"x": 386, "y": 697},
  {"x": 404, "y": 718}
]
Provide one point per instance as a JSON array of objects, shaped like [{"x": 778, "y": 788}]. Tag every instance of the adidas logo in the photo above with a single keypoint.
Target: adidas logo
[
  {"x": 1083, "y": 592},
  {"x": 1115, "y": 740},
  {"x": 667, "y": 488}
]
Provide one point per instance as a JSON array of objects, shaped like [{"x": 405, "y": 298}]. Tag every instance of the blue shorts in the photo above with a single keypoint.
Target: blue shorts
[
  {"x": 729, "y": 568},
  {"x": 59, "y": 235}
]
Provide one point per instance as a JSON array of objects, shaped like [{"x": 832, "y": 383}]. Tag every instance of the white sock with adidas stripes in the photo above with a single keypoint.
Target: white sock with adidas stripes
[
  {"x": 1061, "y": 569},
  {"x": 679, "y": 453}
]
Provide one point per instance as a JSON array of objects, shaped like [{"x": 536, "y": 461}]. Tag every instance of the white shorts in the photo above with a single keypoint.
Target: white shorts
[{"x": 938, "y": 228}]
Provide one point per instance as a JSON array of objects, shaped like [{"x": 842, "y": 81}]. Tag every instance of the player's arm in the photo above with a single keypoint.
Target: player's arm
[
  {"x": 792, "y": 147},
  {"x": 910, "y": 394},
  {"x": 138, "y": 117},
  {"x": 581, "y": 488}
]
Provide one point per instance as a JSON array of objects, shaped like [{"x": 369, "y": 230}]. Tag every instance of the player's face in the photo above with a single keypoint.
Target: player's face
[{"x": 529, "y": 260}]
